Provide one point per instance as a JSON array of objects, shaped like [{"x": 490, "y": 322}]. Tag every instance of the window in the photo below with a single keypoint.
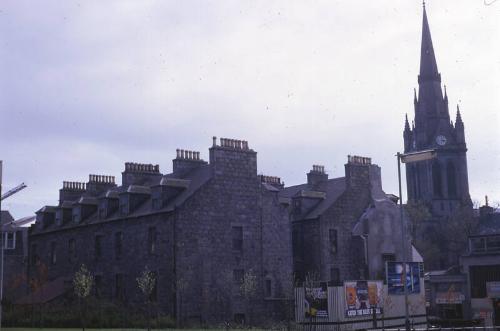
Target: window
[
  {"x": 334, "y": 276},
  {"x": 478, "y": 245},
  {"x": 10, "y": 240},
  {"x": 436, "y": 179},
  {"x": 71, "y": 250},
  {"x": 239, "y": 318},
  {"x": 102, "y": 209},
  {"x": 332, "y": 233},
  {"x": 118, "y": 245},
  {"x": 152, "y": 240},
  {"x": 493, "y": 244},
  {"x": 156, "y": 203},
  {"x": 98, "y": 247},
  {"x": 34, "y": 256},
  {"x": 269, "y": 288},
  {"x": 237, "y": 234},
  {"x": 124, "y": 204},
  {"x": 119, "y": 289},
  {"x": 479, "y": 276},
  {"x": 154, "y": 292},
  {"x": 238, "y": 275},
  {"x": 450, "y": 177},
  {"x": 53, "y": 253},
  {"x": 98, "y": 286}
]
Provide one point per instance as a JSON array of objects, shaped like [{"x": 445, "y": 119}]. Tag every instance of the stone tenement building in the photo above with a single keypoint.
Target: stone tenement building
[
  {"x": 15, "y": 240},
  {"x": 201, "y": 229},
  {"x": 205, "y": 226},
  {"x": 344, "y": 228}
]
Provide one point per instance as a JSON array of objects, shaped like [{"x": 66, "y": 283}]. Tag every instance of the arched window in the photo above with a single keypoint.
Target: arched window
[
  {"x": 436, "y": 179},
  {"x": 416, "y": 184},
  {"x": 451, "y": 179}
]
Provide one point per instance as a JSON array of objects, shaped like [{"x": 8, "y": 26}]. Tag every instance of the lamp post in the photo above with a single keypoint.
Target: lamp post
[{"x": 408, "y": 158}]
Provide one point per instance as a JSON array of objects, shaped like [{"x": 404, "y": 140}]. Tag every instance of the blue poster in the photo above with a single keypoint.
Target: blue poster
[{"x": 395, "y": 277}]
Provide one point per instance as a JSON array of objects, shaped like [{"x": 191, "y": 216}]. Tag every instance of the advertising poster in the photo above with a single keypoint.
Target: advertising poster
[
  {"x": 395, "y": 278},
  {"x": 316, "y": 301},
  {"x": 363, "y": 297}
]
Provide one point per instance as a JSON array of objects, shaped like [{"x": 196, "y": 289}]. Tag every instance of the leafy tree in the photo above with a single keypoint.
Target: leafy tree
[
  {"x": 457, "y": 229},
  {"x": 83, "y": 282},
  {"x": 147, "y": 284},
  {"x": 418, "y": 213}
]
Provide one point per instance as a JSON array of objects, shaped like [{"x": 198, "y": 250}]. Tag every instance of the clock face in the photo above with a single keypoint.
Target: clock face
[{"x": 441, "y": 140}]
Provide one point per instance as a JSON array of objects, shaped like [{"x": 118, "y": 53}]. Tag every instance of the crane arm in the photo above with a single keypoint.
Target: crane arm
[{"x": 13, "y": 191}]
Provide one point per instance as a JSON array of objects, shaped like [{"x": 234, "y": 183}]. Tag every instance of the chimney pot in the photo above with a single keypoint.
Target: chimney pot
[{"x": 214, "y": 141}]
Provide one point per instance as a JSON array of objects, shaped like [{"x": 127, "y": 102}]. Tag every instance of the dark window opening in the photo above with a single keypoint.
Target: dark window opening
[
  {"x": 451, "y": 179},
  {"x": 10, "y": 240},
  {"x": 479, "y": 276},
  {"x": 334, "y": 276},
  {"x": 237, "y": 234},
  {"x": 71, "y": 250},
  {"x": 118, "y": 245},
  {"x": 437, "y": 179},
  {"x": 269, "y": 288},
  {"x": 239, "y": 318},
  {"x": 238, "y": 275},
  {"x": 53, "y": 253},
  {"x": 152, "y": 240},
  {"x": 34, "y": 256},
  {"x": 98, "y": 286},
  {"x": 119, "y": 287},
  {"x": 154, "y": 293},
  {"x": 332, "y": 233},
  {"x": 98, "y": 247},
  {"x": 156, "y": 203}
]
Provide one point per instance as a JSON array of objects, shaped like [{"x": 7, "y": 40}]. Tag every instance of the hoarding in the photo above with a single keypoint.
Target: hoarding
[
  {"x": 316, "y": 301},
  {"x": 363, "y": 297},
  {"x": 395, "y": 277}
]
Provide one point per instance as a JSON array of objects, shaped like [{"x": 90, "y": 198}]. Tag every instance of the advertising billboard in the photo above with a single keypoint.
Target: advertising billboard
[
  {"x": 363, "y": 297},
  {"x": 395, "y": 279},
  {"x": 316, "y": 301}
]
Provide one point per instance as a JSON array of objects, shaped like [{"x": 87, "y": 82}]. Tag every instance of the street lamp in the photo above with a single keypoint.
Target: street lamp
[{"x": 408, "y": 158}]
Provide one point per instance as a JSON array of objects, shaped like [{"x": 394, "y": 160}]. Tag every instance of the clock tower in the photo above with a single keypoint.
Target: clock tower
[{"x": 442, "y": 183}]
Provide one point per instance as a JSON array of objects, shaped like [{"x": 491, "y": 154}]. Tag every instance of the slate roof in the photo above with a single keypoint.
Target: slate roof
[
  {"x": 6, "y": 217},
  {"x": 196, "y": 179},
  {"x": 332, "y": 187}
]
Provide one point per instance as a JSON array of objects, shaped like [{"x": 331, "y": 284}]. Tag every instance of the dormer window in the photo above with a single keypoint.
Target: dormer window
[
  {"x": 77, "y": 212},
  {"x": 9, "y": 240},
  {"x": 124, "y": 204},
  {"x": 59, "y": 217},
  {"x": 103, "y": 209}
]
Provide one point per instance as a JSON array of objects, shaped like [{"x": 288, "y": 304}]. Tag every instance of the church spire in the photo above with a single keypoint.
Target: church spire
[
  {"x": 458, "y": 120},
  {"x": 428, "y": 65},
  {"x": 407, "y": 124}
]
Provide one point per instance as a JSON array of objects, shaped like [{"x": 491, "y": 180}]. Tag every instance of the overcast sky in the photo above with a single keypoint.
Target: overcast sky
[{"x": 86, "y": 86}]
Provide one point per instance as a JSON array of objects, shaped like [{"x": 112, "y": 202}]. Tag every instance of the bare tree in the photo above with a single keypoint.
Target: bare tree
[
  {"x": 83, "y": 282},
  {"x": 249, "y": 290},
  {"x": 147, "y": 284}
]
